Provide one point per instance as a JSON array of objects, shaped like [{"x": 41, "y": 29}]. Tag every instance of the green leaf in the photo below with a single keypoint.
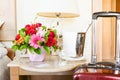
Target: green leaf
[
  {"x": 23, "y": 29},
  {"x": 14, "y": 47},
  {"x": 23, "y": 47},
  {"x": 47, "y": 49},
  {"x": 31, "y": 49},
  {"x": 27, "y": 38},
  {"x": 22, "y": 32},
  {"x": 55, "y": 31},
  {"x": 55, "y": 49},
  {"x": 44, "y": 27},
  {"x": 38, "y": 51},
  {"x": 46, "y": 35},
  {"x": 60, "y": 48}
]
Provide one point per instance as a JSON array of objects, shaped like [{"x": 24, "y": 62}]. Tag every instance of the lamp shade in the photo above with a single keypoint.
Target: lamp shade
[{"x": 58, "y": 8}]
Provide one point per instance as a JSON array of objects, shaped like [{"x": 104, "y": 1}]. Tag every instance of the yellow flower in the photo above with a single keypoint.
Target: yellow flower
[{"x": 19, "y": 41}]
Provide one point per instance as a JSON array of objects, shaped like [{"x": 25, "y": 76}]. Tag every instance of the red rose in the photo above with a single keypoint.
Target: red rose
[
  {"x": 31, "y": 31},
  {"x": 38, "y": 25},
  {"x": 51, "y": 41},
  {"x": 17, "y": 37},
  {"x": 33, "y": 26},
  {"x": 27, "y": 26},
  {"x": 52, "y": 34},
  {"x": 30, "y": 26}
]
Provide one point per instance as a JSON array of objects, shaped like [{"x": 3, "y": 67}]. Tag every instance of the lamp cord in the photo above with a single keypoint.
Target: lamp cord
[{"x": 89, "y": 26}]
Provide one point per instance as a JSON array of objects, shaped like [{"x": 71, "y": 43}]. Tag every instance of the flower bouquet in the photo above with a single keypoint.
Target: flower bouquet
[{"x": 35, "y": 38}]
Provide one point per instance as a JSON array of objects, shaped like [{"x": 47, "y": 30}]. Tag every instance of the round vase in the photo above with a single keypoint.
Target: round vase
[{"x": 36, "y": 57}]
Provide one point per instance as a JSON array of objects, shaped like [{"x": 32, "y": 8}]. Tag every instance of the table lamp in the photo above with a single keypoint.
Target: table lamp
[{"x": 58, "y": 9}]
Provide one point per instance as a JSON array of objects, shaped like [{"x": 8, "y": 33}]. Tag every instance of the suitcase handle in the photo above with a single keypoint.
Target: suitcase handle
[{"x": 106, "y": 14}]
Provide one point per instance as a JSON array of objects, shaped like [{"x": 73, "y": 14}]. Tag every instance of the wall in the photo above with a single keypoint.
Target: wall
[
  {"x": 26, "y": 13},
  {"x": 7, "y": 14},
  {"x": 27, "y": 9}
]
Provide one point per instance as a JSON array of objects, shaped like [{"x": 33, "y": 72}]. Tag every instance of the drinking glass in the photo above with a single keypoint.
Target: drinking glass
[{"x": 62, "y": 61}]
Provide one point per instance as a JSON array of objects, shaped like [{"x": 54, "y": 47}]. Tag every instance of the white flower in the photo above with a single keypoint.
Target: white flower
[{"x": 41, "y": 32}]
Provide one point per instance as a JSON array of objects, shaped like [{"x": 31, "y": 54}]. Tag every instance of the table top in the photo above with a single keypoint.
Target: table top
[{"x": 50, "y": 64}]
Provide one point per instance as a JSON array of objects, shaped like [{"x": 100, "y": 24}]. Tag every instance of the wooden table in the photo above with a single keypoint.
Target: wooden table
[{"x": 49, "y": 67}]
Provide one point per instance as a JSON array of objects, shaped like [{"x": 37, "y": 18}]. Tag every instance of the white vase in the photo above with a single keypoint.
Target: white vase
[{"x": 37, "y": 57}]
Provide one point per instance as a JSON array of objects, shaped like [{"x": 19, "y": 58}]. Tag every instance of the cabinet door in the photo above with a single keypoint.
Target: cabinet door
[
  {"x": 8, "y": 15},
  {"x": 105, "y": 29}
]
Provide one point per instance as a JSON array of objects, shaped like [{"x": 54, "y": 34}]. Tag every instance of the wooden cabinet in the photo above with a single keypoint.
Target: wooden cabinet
[
  {"x": 8, "y": 15},
  {"x": 106, "y": 29}
]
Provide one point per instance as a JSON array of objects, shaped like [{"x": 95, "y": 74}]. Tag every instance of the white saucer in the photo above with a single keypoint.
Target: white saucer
[{"x": 66, "y": 57}]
